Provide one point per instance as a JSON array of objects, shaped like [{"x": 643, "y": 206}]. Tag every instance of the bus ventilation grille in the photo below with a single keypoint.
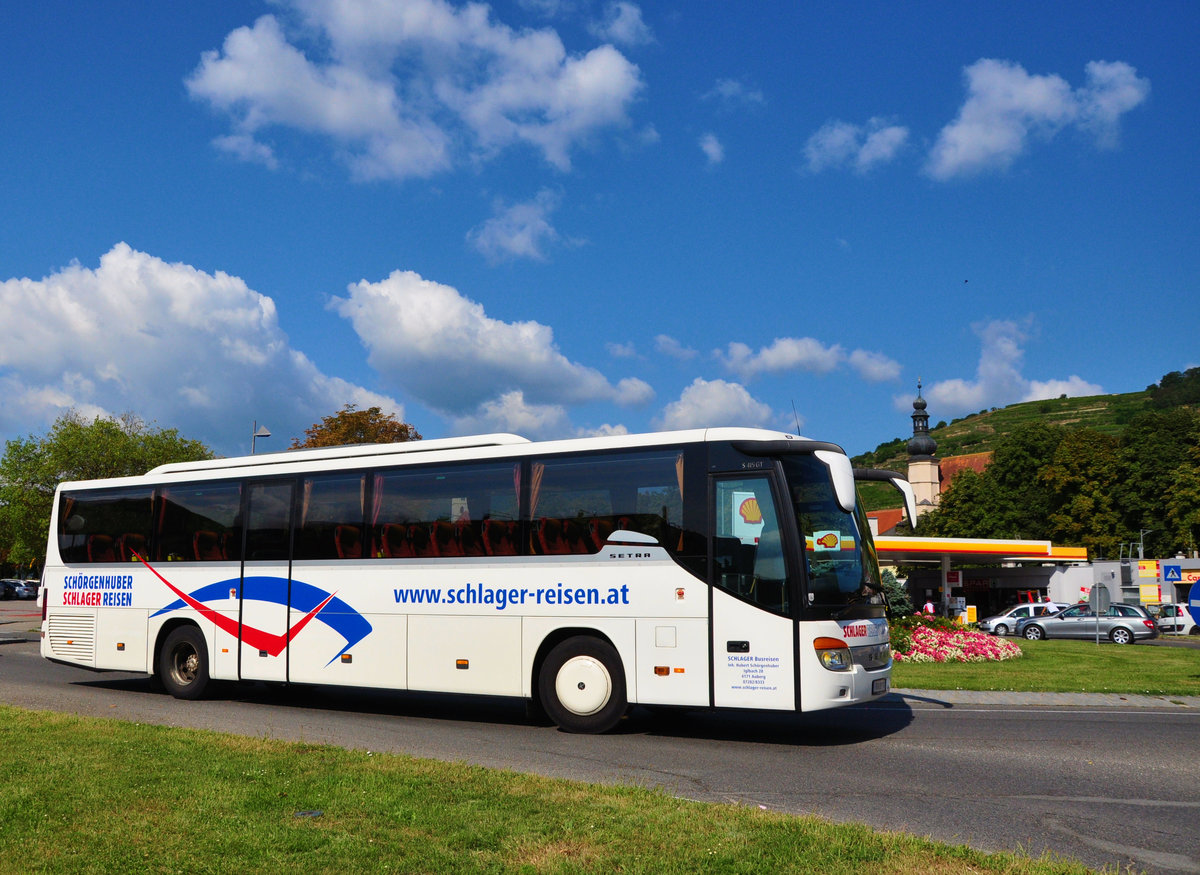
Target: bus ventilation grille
[{"x": 72, "y": 636}]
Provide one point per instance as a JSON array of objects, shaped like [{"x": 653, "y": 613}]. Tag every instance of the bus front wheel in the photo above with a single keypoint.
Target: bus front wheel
[
  {"x": 183, "y": 663},
  {"x": 582, "y": 685}
]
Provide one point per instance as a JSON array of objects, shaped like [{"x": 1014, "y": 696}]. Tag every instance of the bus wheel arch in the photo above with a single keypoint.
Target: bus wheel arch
[
  {"x": 182, "y": 661},
  {"x": 581, "y": 682}
]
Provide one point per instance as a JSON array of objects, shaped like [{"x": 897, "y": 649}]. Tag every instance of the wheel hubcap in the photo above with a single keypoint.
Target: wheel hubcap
[
  {"x": 583, "y": 685},
  {"x": 187, "y": 662}
]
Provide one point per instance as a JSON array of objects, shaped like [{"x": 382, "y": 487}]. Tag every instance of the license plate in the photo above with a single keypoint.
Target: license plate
[{"x": 879, "y": 687}]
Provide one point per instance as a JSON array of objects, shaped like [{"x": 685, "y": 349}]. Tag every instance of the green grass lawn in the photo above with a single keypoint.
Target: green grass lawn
[
  {"x": 88, "y": 795},
  {"x": 1066, "y": 667}
]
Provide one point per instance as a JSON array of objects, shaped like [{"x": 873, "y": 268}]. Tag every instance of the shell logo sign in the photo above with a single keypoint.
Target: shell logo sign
[
  {"x": 746, "y": 517},
  {"x": 750, "y": 512},
  {"x": 829, "y": 539}
]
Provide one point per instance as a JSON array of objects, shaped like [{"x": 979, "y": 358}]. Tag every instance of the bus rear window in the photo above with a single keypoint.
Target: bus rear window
[{"x": 104, "y": 525}]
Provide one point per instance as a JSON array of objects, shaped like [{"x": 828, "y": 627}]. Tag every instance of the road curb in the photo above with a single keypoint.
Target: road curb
[{"x": 951, "y": 698}]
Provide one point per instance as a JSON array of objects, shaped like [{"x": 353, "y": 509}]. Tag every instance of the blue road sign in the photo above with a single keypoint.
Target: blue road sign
[
  {"x": 1194, "y": 603},
  {"x": 1172, "y": 574}
]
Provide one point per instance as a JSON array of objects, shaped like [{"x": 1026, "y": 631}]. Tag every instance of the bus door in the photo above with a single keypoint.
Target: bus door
[
  {"x": 753, "y": 633},
  {"x": 266, "y": 581}
]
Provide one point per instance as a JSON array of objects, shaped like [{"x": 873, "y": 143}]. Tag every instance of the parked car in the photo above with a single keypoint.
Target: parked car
[
  {"x": 8, "y": 589},
  {"x": 1120, "y": 624},
  {"x": 26, "y": 589},
  {"x": 1174, "y": 618},
  {"x": 1006, "y": 621}
]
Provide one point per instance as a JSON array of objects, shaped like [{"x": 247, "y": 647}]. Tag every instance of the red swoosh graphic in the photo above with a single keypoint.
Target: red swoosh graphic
[{"x": 256, "y": 638}]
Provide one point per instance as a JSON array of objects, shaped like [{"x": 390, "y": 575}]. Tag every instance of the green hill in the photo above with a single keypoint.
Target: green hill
[{"x": 980, "y": 432}]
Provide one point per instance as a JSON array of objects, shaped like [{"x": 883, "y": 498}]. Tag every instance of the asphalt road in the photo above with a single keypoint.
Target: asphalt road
[{"x": 1109, "y": 786}]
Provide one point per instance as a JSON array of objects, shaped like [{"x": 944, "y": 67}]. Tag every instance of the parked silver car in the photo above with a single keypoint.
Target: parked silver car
[
  {"x": 1006, "y": 621},
  {"x": 13, "y": 588},
  {"x": 1120, "y": 624}
]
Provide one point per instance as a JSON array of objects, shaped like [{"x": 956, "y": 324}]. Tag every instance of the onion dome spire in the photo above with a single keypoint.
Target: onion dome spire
[{"x": 921, "y": 443}]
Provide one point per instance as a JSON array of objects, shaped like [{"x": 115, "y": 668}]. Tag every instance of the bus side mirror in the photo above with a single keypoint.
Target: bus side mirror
[
  {"x": 882, "y": 475},
  {"x": 842, "y": 474}
]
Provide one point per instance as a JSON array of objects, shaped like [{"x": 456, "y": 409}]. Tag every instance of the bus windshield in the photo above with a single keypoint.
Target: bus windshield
[{"x": 841, "y": 566}]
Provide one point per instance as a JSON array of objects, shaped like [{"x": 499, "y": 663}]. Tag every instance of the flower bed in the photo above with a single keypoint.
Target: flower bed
[{"x": 931, "y": 640}]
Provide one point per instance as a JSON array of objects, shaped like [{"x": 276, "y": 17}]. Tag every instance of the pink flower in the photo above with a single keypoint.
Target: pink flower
[{"x": 960, "y": 645}]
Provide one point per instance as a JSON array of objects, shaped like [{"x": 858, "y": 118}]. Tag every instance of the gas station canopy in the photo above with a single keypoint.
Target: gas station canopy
[{"x": 974, "y": 550}]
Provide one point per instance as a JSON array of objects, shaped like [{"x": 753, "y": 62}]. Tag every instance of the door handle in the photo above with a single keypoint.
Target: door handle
[{"x": 737, "y": 646}]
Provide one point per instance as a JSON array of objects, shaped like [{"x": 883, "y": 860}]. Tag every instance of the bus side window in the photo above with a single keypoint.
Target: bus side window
[
  {"x": 268, "y": 520},
  {"x": 104, "y": 525},
  {"x": 575, "y": 504},
  {"x": 331, "y": 517},
  {"x": 199, "y": 523},
  {"x": 443, "y": 512}
]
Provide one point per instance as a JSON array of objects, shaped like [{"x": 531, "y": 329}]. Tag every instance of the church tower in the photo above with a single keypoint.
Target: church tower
[{"x": 923, "y": 467}]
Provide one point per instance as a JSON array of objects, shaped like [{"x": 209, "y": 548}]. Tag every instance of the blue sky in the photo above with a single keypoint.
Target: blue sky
[{"x": 564, "y": 217}]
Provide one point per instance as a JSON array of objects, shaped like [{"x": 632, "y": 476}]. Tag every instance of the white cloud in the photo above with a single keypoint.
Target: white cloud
[
  {"x": 1006, "y": 106},
  {"x": 443, "y": 348},
  {"x": 863, "y": 147},
  {"x": 174, "y": 344},
  {"x": 880, "y": 146},
  {"x": 510, "y": 412},
  {"x": 518, "y": 231},
  {"x": 784, "y": 354},
  {"x": 998, "y": 381},
  {"x": 712, "y": 149},
  {"x": 1113, "y": 89},
  {"x": 1072, "y": 387},
  {"x": 874, "y": 367},
  {"x": 246, "y": 149},
  {"x": 400, "y": 89},
  {"x": 623, "y": 25},
  {"x": 732, "y": 94},
  {"x": 621, "y": 350},
  {"x": 669, "y": 346},
  {"x": 716, "y": 403},
  {"x": 605, "y": 430}
]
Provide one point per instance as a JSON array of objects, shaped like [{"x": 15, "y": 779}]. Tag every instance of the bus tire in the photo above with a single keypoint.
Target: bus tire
[
  {"x": 582, "y": 685},
  {"x": 183, "y": 663}
]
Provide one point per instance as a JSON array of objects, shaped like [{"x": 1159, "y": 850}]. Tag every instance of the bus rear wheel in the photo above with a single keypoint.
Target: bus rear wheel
[
  {"x": 183, "y": 663},
  {"x": 582, "y": 685}
]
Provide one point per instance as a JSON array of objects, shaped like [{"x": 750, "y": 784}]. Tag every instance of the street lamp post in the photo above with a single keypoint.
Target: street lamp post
[
  {"x": 259, "y": 431},
  {"x": 1142, "y": 542}
]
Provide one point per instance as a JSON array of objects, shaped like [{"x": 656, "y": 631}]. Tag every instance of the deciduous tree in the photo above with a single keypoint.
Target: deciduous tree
[
  {"x": 1154, "y": 449},
  {"x": 352, "y": 426},
  {"x": 1083, "y": 476},
  {"x": 75, "y": 449}
]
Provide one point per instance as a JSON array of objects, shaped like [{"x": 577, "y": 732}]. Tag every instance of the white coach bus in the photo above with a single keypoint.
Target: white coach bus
[{"x": 728, "y": 568}]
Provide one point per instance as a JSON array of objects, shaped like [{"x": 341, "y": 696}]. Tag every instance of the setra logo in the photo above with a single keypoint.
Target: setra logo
[{"x": 316, "y": 603}]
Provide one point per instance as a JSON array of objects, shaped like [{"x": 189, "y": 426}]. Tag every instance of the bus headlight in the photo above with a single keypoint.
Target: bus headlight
[{"x": 834, "y": 653}]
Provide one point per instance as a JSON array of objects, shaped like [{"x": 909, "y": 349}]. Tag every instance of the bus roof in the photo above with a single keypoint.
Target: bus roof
[
  {"x": 345, "y": 451},
  {"x": 446, "y": 449}
]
